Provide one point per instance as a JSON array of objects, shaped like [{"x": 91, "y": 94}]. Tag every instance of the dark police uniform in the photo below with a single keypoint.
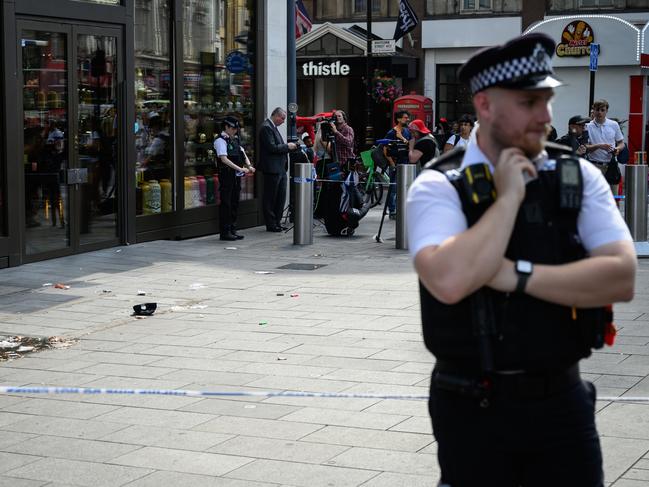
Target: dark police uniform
[
  {"x": 229, "y": 183},
  {"x": 507, "y": 402}
]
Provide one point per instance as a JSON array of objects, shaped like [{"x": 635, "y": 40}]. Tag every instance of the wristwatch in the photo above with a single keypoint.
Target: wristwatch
[{"x": 524, "y": 270}]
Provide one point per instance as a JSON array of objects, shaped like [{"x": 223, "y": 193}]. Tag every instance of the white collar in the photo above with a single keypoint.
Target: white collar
[{"x": 474, "y": 155}]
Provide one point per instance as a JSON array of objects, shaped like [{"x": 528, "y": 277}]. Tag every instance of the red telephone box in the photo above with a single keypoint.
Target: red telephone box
[{"x": 418, "y": 106}]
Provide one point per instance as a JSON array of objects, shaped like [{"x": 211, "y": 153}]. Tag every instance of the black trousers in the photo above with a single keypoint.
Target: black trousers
[
  {"x": 518, "y": 442},
  {"x": 230, "y": 190},
  {"x": 274, "y": 198}
]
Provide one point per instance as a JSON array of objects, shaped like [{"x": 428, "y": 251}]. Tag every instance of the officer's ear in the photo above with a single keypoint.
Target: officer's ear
[{"x": 483, "y": 104}]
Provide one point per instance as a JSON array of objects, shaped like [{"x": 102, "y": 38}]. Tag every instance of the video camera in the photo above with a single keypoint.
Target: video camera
[
  {"x": 398, "y": 151},
  {"x": 325, "y": 128}
]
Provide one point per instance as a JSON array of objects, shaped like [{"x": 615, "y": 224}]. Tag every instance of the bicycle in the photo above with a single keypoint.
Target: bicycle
[{"x": 374, "y": 177}]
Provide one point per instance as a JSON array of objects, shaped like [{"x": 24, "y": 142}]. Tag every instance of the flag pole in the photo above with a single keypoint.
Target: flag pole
[{"x": 369, "y": 129}]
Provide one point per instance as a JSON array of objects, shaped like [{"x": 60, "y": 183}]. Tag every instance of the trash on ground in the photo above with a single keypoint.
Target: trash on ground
[
  {"x": 141, "y": 293},
  {"x": 196, "y": 285},
  {"x": 47, "y": 284},
  {"x": 295, "y": 295},
  {"x": 144, "y": 309},
  {"x": 261, "y": 323},
  {"x": 60, "y": 285},
  {"x": 264, "y": 272},
  {"x": 177, "y": 308},
  {"x": 198, "y": 306},
  {"x": 14, "y": 347},
  {"x": 280, "y": 294},
  {"x": 106, "y": 291},
  {"x": 281, "y": 358},
  {"x": 232, "y": 248},
  {"x": 118, "y": 251}
]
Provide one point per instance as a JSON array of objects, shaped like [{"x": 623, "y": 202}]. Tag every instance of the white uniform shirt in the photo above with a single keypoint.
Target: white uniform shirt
[
  {"x": 434, "y": 211},
  {"x": 221, "y": 146},
  {"x": 460, "y": 143},
  {"x": 605, "y": 133}
]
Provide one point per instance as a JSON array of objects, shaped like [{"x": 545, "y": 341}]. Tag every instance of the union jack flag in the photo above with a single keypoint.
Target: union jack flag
[{"x": 303, "y": 23}]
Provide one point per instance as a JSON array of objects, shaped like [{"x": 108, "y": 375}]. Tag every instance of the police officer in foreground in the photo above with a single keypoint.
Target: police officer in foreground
[
  {"x": 518, "y": 250},
  {"x": 233, "y": 164}
]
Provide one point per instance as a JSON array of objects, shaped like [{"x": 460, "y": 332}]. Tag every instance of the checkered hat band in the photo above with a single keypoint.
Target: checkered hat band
[{"x": 512, "y": 69}]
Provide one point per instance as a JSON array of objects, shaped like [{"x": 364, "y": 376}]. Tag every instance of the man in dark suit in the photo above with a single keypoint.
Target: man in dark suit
[{"x": 273, "y": 158}]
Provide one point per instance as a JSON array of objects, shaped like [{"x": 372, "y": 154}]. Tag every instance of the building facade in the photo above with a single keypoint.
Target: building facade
[
  {"x": 452, "y": 31},
  {"x": 110, "y": 115}
]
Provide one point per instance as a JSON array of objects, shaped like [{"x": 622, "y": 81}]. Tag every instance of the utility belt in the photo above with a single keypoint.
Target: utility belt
[{"x": 514, "y": 384}]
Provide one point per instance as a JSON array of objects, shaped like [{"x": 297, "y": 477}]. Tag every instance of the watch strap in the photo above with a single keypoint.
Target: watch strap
[{"x": 522, "y": 282}]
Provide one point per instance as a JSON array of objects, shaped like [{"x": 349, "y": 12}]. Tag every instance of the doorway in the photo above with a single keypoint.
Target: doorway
[{"x": 72, "y": 79}]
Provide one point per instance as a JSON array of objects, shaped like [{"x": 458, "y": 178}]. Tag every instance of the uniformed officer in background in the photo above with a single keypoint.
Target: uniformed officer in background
[
  {"x": 518, "y": 252},
  {"x": 233, "y": 164}
]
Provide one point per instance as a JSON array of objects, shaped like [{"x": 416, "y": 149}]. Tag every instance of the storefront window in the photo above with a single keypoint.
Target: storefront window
[
  {"x": 218, "y": 67},
  {"x": 153, "y": 115}
]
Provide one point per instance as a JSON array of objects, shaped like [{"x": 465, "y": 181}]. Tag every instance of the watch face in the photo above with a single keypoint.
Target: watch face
[{"x": 524, "y": 266}]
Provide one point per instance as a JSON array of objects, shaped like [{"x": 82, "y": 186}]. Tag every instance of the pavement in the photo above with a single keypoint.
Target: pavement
[{"x": 231, "y": 317}]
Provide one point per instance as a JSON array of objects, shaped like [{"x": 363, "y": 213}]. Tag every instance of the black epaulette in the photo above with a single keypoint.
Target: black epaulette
[{"x": 451, "y": 160}]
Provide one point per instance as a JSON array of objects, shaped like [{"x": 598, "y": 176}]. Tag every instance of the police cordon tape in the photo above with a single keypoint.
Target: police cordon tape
[{"x": 189, "y": 393}]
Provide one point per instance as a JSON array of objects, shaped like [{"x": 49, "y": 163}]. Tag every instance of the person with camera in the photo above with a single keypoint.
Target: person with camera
[
  {"x": 422, "y": 147},
  {"x": 273, "y": 162},
  {"x": 233, "y": 163},
  {"x": 519, "y": 250},
  {"x": 577, "y": 137},
  {"x": 343, "y": 137},
  {"x": 400, "y": 133}
]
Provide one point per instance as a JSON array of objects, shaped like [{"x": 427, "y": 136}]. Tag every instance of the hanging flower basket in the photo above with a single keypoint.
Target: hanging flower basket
[{"x": 384, "y": 88}]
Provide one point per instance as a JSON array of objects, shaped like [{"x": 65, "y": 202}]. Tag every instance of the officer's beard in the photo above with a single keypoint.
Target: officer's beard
[{"x": 531, "y": 142}]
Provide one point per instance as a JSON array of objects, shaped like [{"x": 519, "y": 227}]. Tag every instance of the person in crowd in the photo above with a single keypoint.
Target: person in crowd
[
  {"x": 307, "y": 147},
  {"x": 273, "y": 162},
  {"x": 442, "y": 132},
  {"x": 605, "y": 139},
  {"x": 398, "y": 132},
  {"x": 460, "y": 139},
  {"x": 233, "y": 163},
  {"x": 422, "y": 148},
  {"x": 577, "y": 137},
  {"x": 343, "y": 137},
  {"x": 514, "y": 284}
]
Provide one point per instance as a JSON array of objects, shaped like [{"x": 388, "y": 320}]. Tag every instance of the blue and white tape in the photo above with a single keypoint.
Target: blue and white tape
[{"x": 190, "y": 393}]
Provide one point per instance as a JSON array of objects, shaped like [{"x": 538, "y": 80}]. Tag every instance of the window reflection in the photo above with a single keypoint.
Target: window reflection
[
  {"x": 217, "y": 81},
  {"x": 154, "y": 165}
]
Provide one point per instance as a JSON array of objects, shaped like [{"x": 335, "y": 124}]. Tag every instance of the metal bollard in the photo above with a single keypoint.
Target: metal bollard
[
  {"x": 635, "y": 200},
  {"x": 406, "y": 174},
  {"x": 303, "y": 222}
]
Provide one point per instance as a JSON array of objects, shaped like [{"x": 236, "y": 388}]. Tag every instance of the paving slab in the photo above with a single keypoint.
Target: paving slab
[{"x": 352, "y": 327}]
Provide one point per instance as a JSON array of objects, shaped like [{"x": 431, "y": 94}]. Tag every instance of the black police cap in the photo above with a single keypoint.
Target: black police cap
[
  {"x": 578, "y": 120},
  {"x": 522, "y": 63},
  {"x": 231, "y": 122}
]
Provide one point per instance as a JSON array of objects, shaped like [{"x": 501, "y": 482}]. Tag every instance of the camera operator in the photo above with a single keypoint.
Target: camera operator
[
  {"x": 422, "y": 146},
  {"x": 577, "y": 136},
  {"x": 343, "y": 137}
]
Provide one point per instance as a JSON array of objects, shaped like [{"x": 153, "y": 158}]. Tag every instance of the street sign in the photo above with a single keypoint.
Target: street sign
[
  {"x": 594, "y": 53},
  {"x": 384, "y": 46}
]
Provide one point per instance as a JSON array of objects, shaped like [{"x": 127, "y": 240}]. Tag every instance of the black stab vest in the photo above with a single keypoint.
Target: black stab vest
[
  {"x": 234, "y": 150},
  {"x": 530, "y": 334}
]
